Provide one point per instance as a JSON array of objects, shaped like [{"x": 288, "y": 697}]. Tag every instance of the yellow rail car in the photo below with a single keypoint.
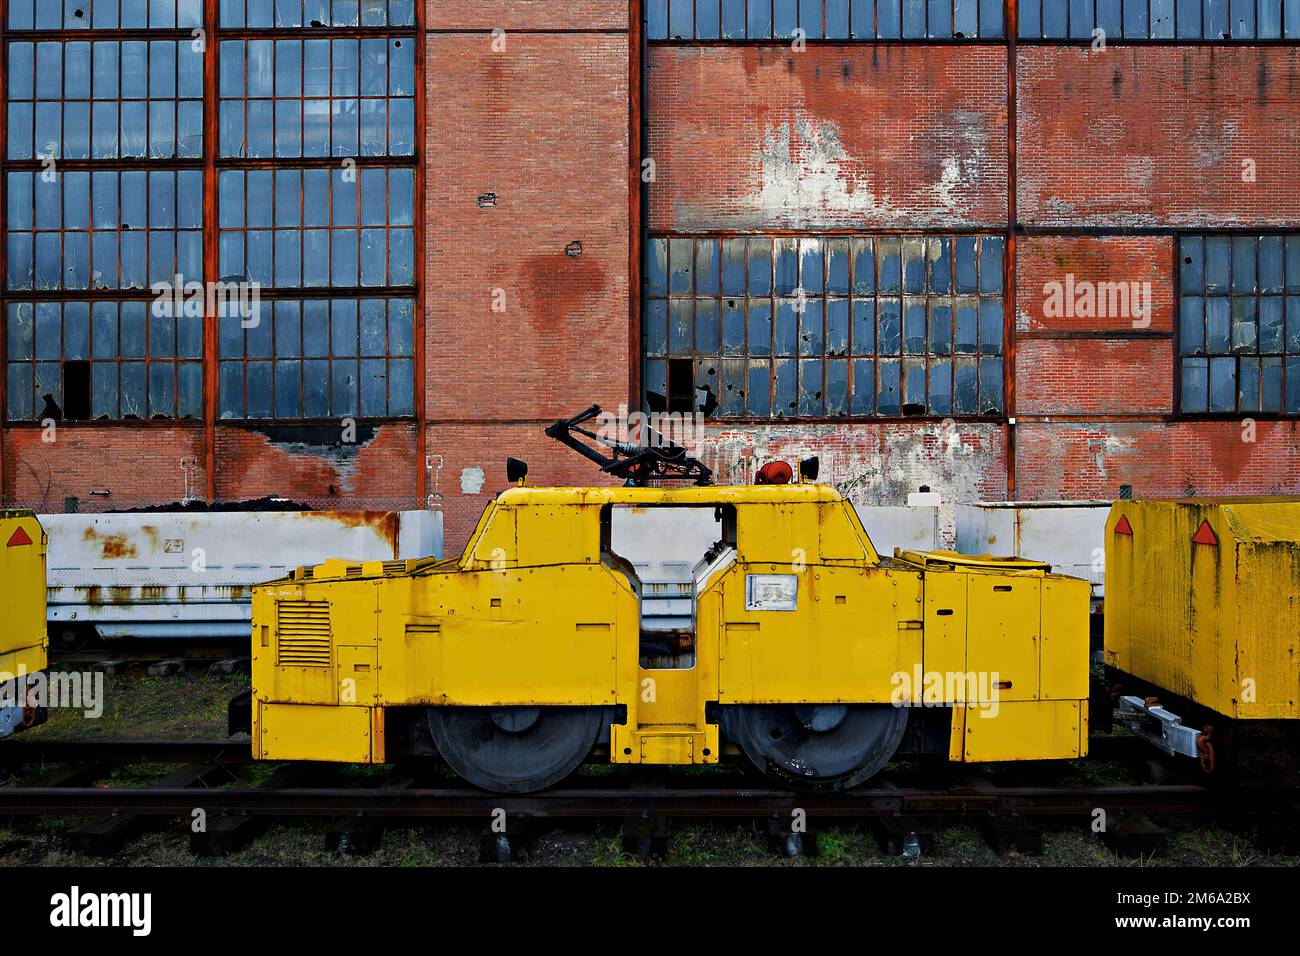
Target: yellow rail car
[
  {"x": 1202, "y": 630},
  {"x": 798, "y": 645},
  {"x": 23, "y": 639}
]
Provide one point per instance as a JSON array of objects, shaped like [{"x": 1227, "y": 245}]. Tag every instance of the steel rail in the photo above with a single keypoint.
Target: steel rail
[
  {"x": 595, "y": 803},
  {"x": 28, "y": 751}
]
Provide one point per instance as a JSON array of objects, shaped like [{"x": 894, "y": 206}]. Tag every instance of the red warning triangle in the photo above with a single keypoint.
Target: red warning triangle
[
  {"x": 18, "y": 539},
  {"x": 1123, "y": 527},
  {"x": 1205, "y": 535}
]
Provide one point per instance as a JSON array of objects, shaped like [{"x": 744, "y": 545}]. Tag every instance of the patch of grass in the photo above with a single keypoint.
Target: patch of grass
[{"x": 188, "y": 706}]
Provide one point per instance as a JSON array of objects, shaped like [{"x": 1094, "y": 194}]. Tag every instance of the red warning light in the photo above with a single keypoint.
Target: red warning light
[
  {"x": 1123, "y": 527},
  {"x": 1205, "y": 535},
  {"x": 18, "y": 539}
]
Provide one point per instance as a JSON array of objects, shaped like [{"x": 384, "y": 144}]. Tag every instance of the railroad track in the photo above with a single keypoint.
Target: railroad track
[
  {"x": 902, "y": 809},
  {"x": 580, "y": 803}
]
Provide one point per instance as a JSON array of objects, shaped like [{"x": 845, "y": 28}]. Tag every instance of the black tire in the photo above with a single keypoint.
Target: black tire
[
  {"x": 514, "y": 749},
  {"x": 819, "y": 748}
]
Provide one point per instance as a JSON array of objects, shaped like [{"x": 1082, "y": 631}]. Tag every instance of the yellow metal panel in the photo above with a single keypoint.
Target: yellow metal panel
[
  {"x": 28, "y": 660},
  {"x": 1268, "y": 645},
  {"x": 557, "y": 534},
  {"x": 945, "y": 627},
  {"x": 825, "y": 651},
  {"x": 545, "y": 635},
  {"x": 1002, "y": 635},
  {"x": 838, "y": 535},
  {"x": 358, "y": 670},
  {"x": 668, "y": 697},
  {"x": 22, "y": 589},
  {"x": 1063, "y": 660},
  {"x": 1023, "y": 730},
  {"x": 495, "y": 544},
  {"x": 305, "y": 732}
]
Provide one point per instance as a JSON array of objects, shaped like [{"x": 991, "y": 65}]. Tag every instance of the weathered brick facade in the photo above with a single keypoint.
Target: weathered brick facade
[{"x": 530, "y": 297}]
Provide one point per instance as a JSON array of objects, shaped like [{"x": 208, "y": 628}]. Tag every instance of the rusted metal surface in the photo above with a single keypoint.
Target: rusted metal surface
[{"x": 191, "y": 574}]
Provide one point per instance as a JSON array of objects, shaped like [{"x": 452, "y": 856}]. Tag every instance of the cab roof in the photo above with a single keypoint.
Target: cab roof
[{"x": 687, "y": 495}]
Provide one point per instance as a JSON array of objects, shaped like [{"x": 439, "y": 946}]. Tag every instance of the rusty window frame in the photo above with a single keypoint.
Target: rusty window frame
[
  {"x": 1161, "y": 20},
  {"x": 257, "y": 379},
  {"x": 728, "y": 351},
  {"x": 1238, "y": 322},
  {"x": 96, "y": 370},
  {"x": 836, "y": 20}
]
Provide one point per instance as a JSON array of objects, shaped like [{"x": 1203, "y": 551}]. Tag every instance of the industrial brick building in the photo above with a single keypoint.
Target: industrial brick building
[{"x": 1031, "y": 249}]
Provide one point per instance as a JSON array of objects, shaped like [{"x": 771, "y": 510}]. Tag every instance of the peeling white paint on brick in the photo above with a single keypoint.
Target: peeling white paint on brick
[
  {"x": 471, "y": 480},
  {"x": 802, "y": 165},
  {"x": 868, "y": 466}
]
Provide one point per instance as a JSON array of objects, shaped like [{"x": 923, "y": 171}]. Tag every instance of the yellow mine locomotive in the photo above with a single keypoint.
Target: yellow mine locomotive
[{"x": 660, "y": 625}]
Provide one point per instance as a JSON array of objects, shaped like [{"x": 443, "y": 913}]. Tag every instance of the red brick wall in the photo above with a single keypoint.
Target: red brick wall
[
  {"x": 842, "y": 136},
  {"x": 1158, "y": 460},
  {"x": 544, "y": 127},
  {"x": 1094, "y": 377},
  {"x": 378, "y": 471},
  {"x": 138, "y": 465},
  {"x": 468, "y": 448},
  {"x": 1050, "y": 259},
  {"x": 1156, "y": 135},
  {"x": 514, "y": 15}
]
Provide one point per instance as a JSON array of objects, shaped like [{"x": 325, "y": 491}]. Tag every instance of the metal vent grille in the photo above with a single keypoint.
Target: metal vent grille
[
  {"x": 423, "y": 630},
  {"x": 304, "y": 634},
  {"x": 394, "y": 567}
]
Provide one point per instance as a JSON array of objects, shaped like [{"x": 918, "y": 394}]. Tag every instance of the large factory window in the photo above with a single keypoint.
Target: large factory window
[
  {"x": 813, "y": 327},
  {"x": 318, "y": 227},
  {"x": 310, "y": 278},
  {"x": 1239, "y": 324},
  {"x": 316, "y": 191},
  {"x": 822, "y": 19},
  {"x": 103, "y": 228},
  {"x": 103, "y": 177},
  {"x": 1161, "y": 19}
]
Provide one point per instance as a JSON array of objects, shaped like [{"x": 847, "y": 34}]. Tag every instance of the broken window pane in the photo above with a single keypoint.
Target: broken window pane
[
  {"x": 815, "y": 298},
  {"x": 733, "y": 328}
]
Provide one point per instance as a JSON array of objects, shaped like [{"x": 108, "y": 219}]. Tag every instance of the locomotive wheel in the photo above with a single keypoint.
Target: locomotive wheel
[
  {"x": 514, "y": 749},
  {"x": 818, "y": 746}
]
